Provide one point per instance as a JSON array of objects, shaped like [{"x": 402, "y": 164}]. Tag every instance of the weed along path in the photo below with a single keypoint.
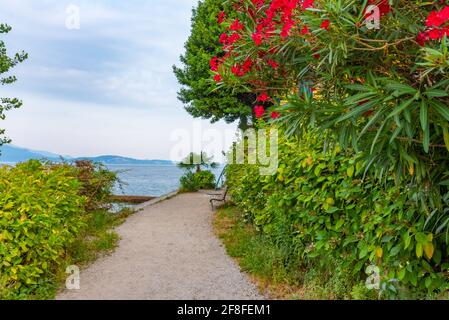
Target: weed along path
[{"x": 167, "y": 251}]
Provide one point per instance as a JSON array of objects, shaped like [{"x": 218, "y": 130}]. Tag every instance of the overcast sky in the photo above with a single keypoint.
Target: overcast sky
[{"x": 105, "y": 88}]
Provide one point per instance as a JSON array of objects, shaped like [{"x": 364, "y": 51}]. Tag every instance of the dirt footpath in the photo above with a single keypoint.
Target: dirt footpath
[{"x": 167, "y": 251}]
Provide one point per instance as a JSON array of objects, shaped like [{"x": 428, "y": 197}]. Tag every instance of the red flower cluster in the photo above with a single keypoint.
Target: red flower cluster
[
  {"x": 241, "y": 69},
  {"x": 263, "y": 97},
  {"x": 273, "y": 64},
  {"x": 275, "y": 115},
  {"x": 221, "y": 17},
  {"x": 236, "y": 26},
  {"x": 259, "y": 111},
  {"x": 278, "y": 8},
  {"x": 383, "y": 5},
  {"x": 325, "y": 24},
  {"x": 229, "y": 40},
  {"x": 435, "y": 29},
  {"x": 214, "y": 63}
]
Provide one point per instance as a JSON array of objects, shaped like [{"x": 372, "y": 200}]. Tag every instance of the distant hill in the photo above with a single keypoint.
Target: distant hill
[
  {"x": 10, "y": 153},
  {"x": 124, "y": 160}
]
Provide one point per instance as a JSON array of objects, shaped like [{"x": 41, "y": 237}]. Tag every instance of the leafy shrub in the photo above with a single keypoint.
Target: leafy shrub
[
  {"x": 188, "y": 182},
  {"x": 321, "y": 207},
  {"x": 197, "y": 181},
  {"x": 97, "y": 184},
  {"x": 204, "y": 180},
  {"x": 45, "y": 212},
  {"x": 41, "y": 212}
]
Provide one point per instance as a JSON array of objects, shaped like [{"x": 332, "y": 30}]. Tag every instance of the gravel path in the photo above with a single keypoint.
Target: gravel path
[{"x": 167, "y": 251}]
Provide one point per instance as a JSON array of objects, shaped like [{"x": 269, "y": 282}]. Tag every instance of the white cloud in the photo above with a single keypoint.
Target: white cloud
[{"x": 105, "y": 88}]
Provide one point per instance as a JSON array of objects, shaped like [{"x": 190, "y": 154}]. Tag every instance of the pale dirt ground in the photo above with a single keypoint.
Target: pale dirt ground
[{"x": 168, "y": 251}]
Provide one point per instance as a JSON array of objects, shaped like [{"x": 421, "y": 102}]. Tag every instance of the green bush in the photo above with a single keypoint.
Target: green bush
[
  {"x": 197, "y": 181},
  {"x": 97, "y": 184},
  {"x": 322, "y": 207},
  {"x": 46, "y": 211},
  {"x": 40, "y": 214}
]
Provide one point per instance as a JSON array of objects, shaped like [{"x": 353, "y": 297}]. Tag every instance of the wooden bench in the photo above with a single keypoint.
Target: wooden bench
[{"x": 219, "y": 197}]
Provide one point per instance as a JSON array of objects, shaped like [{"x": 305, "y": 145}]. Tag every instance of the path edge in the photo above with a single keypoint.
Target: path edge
[{"x": 150, "y": 203}]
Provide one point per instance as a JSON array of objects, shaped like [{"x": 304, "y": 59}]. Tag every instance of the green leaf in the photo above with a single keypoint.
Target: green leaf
[
  {"x": 423, "y": 116},
  {"x": 401, "y": 107},
  {"x": 350, "y": 171},
  {"x": 436, "y": 93},
  {"x": 442, "y": 109},
  {"x": 419, "y": 250},
  {"x": 446, "y": 137}
]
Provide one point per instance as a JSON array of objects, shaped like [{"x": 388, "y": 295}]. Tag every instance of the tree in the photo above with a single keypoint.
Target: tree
[
  {"x": 198, "y": 92},
  {"x": 198, "y": 161},
  {"x": 381, "y": 93},
  {"x": 6, "y": 64}
]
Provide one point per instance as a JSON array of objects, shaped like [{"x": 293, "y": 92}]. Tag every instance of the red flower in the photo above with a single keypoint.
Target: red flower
[
  {"x": 236, "y": 25},
  {"x": 325, "y": 24},
  {"x": 257, "y": 37},
  {"x": 286, "y": 29},
  {"x": 317, "y": 56},
  {"x": 421, "y": 38},
  {"x": 434, "y": 34},
  {"x": 259, "y": 111},
  {"x": 233, "y": 38},
  {"x": 236, "y": 71},
  {"x": 214, "y": 64},
  {"x": 247, "y": 65},
  {"x": 275, "y": 115},
  {"x": 437, "y": 18},
  {"x": 273, "y": 64},
  {"x": 221, "y": 17},
  {"x": 263, "y": 97},
  {"x": 305, "y": 30},
  {"x": 383, "y": 5},
  {"x": 307, "y": 4},
  {"x": 217, "y": 77},
  {"x": 224, "y": 38}
]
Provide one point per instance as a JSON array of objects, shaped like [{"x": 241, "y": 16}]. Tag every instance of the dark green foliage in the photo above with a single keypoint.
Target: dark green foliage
[
  {"x": 322, "y": 208},
  {"x": 199, "y": 90},
  {"x": 205, "y": 180},
  {"x": 6, "y": 64},
  {"x": 201, "y": 180}
]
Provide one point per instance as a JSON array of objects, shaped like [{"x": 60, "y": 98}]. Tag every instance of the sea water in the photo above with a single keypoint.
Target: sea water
[{"x": 149, "y": 180}]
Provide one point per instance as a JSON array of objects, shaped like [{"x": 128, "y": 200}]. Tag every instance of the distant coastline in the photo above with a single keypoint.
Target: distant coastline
[{"x": 10, "y": 154}]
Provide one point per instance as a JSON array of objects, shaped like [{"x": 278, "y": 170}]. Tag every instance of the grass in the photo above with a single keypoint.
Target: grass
[
  {"x": 277, "y": 271},
  {"x": 258, "y": 256}
]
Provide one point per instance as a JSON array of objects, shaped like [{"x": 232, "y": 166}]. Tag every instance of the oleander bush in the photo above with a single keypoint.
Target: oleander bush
[
  {"x": 44, "y": 208},
  {"x": 326, "y": 211}
]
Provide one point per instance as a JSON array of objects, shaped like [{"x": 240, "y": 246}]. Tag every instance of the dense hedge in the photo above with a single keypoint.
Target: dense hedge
[
  {"x": 43, "y": 208},
  {"x": 321, "y": 207}
]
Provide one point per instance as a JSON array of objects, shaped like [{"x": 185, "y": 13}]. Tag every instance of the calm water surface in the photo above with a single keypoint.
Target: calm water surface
[{"x": 149, "y": 180}]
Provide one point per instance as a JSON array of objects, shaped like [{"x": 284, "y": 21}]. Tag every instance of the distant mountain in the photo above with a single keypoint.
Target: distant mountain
[
  {"x": 10, "y": 153},
  {"x": 124, "y": 160}
]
